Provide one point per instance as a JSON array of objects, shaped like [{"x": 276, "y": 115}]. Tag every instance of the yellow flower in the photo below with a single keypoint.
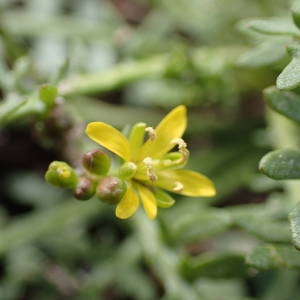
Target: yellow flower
[{"x": 149, "y": 166}]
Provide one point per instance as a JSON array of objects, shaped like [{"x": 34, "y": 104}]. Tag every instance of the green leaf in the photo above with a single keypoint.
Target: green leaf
[
  {"x": 284, "y": 102},
  {"x": 50, "y": 221},
  {"x": 214, "y": 266},
  {"x": 296, "y": 12},
  {"x": 274, "y": 26},
  {"x": 265, "y": 54},
  {"x": 281, "y": 164},
  {"x": 196, "y": 224},
  {"x": 294, "y": 217},
  {"x": 271, "y": 256},
  {"x": 289, "y": 78},
  {"x": 266, "y": 229}
]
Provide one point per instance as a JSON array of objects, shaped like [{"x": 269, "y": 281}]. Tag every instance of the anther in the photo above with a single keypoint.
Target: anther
[
  {"x": 148, "y": 161},
  {"x": 182, "y": 148},
  {"x": 151, "y": 133},
  {"x": 178, "y": 187}
]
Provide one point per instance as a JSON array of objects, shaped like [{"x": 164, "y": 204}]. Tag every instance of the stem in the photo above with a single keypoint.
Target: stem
[{"x": 207, "y": 60}]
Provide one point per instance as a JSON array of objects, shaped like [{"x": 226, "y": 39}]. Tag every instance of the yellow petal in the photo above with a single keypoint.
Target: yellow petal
[
  {"x": 128, "y": 204},
  {"x": 110, "y": 138},
  {"x": 148, "y": 200},
  {"x": 186, "y": 182},
  {"x": 170, "y": 128}
]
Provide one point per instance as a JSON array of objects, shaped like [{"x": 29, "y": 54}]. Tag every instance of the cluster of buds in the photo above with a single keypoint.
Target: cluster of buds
[{"x": 91, "y": 179}]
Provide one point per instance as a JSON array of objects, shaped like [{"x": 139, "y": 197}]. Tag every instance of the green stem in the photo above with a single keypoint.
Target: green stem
[{"x": 207, "y": 60}]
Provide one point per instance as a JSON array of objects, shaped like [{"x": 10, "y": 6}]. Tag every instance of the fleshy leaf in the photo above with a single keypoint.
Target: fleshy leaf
[
  {"x": 109, "y": 137},
  {"x": 271, "y": 256},
  {"x": 281, "y": 164},
  {"x": 274, "y": 26},
  {"x": 294, "y": 217},
  {"x": 265, "y": 54},
  {"x": 289, "y": 78},
  {"x": 214, "y": 265},
  {"x": 296, "y": 12},
  {"x": 284, "y": 102},
  {"x": 267, "y": 229}
]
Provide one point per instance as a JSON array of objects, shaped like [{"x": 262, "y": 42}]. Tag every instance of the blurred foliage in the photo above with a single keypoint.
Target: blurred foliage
[{"x": 66, "y": 63}]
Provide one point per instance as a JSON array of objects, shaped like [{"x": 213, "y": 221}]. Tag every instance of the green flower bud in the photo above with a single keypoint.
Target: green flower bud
[
  {"x": 61, "y": 174},
  {"x": 85, "y": 189},
  {"x": 164, "y": 200},
  {"x": 111, "y": 189},
  {"x": 48, "y": 94},
  {"x": 127, "y": 170},
  {"x": 96, "y": 162}
]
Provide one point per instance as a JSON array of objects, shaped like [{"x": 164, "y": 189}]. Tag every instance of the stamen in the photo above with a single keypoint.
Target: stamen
[
  {"x": 178, "y": 187},
  {"x": 182, "y": 148},
  {"x": 151, "y": 133},
  {"x": 148, "y": 161}
]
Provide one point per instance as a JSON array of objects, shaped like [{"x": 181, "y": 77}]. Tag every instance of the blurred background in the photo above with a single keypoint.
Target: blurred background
[{"x": 121, "y": 62}]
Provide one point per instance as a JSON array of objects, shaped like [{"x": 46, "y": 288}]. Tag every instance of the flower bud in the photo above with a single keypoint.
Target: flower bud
[
  {"x": 61, "y": 174},
  {"x": 164, "y": 200},
  {"x": 85, "y": 189},
  {"x": 48, "y": 94},
  {"x": 111, "y": 189},
  {"x": 96, "y": 162}
]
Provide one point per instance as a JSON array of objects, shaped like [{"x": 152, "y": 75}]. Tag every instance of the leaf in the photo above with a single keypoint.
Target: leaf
[
  {"x": 194, "y": 222},
  {"x": 214, "y": 266},
  {"x": 265, "y": 54},
  {"x": 284, "y": 102},
  {"x": 281, "y": 164},
  {"x": 296, "y": 12},
  {"x": 271, "y": 256},
  {"x": 289, "y": 78},
  {"x": 294, "y": 217},
  {"x": 274, "y": 26},
  {"x": 225, "y": 289},
  {"x": 50, "y": 221},
  {"x": 266, "y": 229}
]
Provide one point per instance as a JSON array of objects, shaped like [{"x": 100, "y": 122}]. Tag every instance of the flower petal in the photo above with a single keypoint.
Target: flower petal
[
  {"x": 171, "y": 127},
  {"x": 149, "y": 201},
  {"x": 128, "y": 204},
  {"x": 186, "y": 182},
  {"x": 110, "y": 138}
]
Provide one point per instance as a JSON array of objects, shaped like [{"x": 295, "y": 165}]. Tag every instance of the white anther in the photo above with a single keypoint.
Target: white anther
[
  {"x": 148, "y": 161},
  {"x": 151, "y": 133},
  {"x": 178, "y": 187},
  {"x": 182, "y": 148}
]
